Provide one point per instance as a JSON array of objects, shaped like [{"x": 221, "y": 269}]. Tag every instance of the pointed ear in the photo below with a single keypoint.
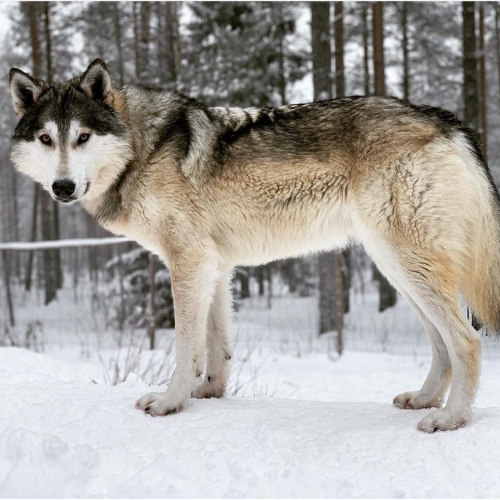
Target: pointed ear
[
  {"x": 25, "y": 90},
  {"x": 96, "y": 81}
]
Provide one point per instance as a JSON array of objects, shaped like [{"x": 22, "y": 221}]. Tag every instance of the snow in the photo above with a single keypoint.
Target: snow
[
  {"x": 297, "y": 421},
  {"x": 65, "y": 433}
]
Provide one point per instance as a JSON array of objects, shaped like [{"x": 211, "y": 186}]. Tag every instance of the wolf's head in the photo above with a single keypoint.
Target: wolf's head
[{"x": 71, "y": 137}]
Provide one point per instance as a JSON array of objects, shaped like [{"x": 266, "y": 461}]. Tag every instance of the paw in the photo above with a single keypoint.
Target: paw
[
  {"x": 413, "y": 400},
  {"x": 158, "y": 403},
  {"x": 207, "y": 389},
  {"x": 444, "y": 420}
]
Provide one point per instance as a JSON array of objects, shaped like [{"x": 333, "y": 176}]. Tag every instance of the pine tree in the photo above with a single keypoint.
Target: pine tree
[
  {"x": 237, "y": 53},
  {"x": 130, "y": 295}
]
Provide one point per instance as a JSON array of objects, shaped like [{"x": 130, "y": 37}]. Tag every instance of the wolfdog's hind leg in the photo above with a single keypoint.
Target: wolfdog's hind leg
[
  {"x": 438, "y": 380},
  {"x": 464, "y": 348},
  {"x": 428, "y": 278},
  {"x": 219, "y": 343},
  {"x": 435, "y": 293}
]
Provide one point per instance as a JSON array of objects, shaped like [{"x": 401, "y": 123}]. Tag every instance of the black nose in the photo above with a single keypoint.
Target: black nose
[{"x": 63, "y": 189}]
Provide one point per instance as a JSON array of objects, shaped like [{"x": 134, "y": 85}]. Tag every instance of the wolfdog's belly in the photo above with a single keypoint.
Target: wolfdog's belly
[
  {"x": 266, "y": 212},
  {"x": 265, "y": 237}
]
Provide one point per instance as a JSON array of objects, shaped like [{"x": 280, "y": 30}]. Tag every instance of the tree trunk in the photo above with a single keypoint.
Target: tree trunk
[
  {"x": 15, "y": 222},
  {"x": 342, "y": 272},
  {"x": 482, "y": 82},
  {"x": 406, "y": 61},
  {"x": 387, "y": 294},
  {"x": 151, "y": 305},
  {"x": 48, "y": 41},
  {"x": 339, "y": 49},
  {"x": 346, "y": 267},
  {"x": 378, "y": 47},
  {"x": 144, "y": 74},
  {"x": 91, "y": 251},
  {"x": 471, "y": 106},
  {"x": 49, "y": 269},
  {"x": 6, "y": 280},
  {"x": 172, "y": 49},
  {"x": 119, "y": 47},
  {"x": 34, "y": 219},
  {"x": 280, "y": 35},
  {"x": 162, "y": 40},
  {"x": 245, "y": 283},
  {"x": 55, "y": 254},
  {"x": 339, "y": 304},
  {"x": 33, "y": 16},
  {"x": 261, "y": 280},
  {"x": 322, "y": 61},
  {"x": 31, "y": 11},
  {"x": 366, "y": 49},
  {"x": 269, "y": 268},
  {"x": 123, "y": 310},
  {"x": 137, "y": 42},
  {"x": 321, "y": 50},
  {"x": 497, "y": 40},
  {"x": 342, "y": 258},
  {"x": 327, "y": 292}
]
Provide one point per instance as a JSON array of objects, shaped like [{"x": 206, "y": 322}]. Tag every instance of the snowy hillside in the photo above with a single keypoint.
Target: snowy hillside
[{"x": 62, "y": 435}]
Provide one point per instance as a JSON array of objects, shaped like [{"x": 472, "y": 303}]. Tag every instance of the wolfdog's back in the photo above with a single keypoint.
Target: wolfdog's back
[{"x": 306, "y": 177}]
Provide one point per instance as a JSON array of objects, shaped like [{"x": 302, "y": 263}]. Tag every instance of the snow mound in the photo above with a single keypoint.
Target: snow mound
[{"x": 63, "y": 437}]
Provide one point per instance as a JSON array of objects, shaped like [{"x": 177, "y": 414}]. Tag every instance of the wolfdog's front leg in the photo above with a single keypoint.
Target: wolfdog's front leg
[
  {"x": 219, "y": 342},
  {"x": 193, "y": 283}
]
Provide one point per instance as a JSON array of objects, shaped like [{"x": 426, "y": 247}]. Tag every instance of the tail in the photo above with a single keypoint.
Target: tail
[{"x": 480, "y": 281}]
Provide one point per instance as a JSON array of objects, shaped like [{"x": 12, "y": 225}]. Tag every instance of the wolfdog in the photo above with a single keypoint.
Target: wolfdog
[{"x": 209, "y": 188}]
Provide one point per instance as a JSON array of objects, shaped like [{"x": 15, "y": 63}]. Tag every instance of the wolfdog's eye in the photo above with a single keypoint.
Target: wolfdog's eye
[
  {"x": 83, "y": 138},
  {"x": 45, "y": 138}
]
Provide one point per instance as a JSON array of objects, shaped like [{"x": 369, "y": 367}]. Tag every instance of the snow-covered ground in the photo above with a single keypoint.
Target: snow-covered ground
[
  {"x": 329, "y": 430},
  {"x": 297, "y": 422}
]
